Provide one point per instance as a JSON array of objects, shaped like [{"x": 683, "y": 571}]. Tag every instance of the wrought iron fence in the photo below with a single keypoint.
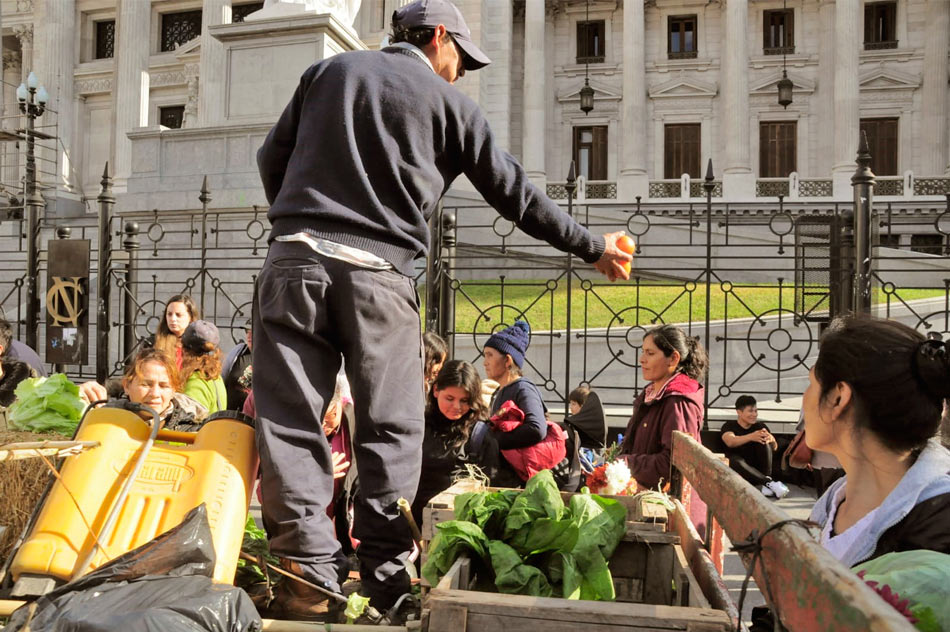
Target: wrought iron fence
[{"x": 755, "y": 283}]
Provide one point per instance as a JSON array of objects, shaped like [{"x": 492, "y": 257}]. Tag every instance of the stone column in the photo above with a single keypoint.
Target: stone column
[
  {"x": 738, "y": 180},
  {"x": 24, "y": 33},
  {"x": 934, "y": 98},
  {"x": 633, "y": 179},
  {"x": 131, "y": 91},
  {"x": 11, "y": 78},
  {"x": 847, "y": 113},
  {"x": 212, "y": 78},
  {"x": 825, "y": 97},
  {"x": 534, "y": 92},
  {"x": 495, "y": 85},
  {"x": 59, "y": 27}
]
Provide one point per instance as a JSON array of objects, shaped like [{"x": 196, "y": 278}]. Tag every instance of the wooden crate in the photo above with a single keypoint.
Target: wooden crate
[
  {"x": 450, "y": 607},
  {"x": 655, "y": 585}
]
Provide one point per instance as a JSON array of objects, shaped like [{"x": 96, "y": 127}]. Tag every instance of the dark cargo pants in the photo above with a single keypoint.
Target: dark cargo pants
[{"x": 309, "y": 312}]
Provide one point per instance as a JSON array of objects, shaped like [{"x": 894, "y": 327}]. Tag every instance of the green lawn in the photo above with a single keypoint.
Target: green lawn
[{"x": 477, "y": 303}]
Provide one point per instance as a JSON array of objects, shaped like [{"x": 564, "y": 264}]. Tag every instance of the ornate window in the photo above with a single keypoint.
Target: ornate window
[
  {"x": 178, "y": 28},
  {"x": 171, "y": 116},
  {"x": 779, "y": 32},
  {"x": 241, "y": 11},
  {"x": 105, "y": 39},
  {"x": 777, "y": 149},
  {"x": 880, "y": 25},
  {"x": 590, "y": 42},
  {"x": 681, "y": 37},
  {"x": 882, "y": 143},
  {"x": 681, "y": 151},
  {"x": 590, "y": 152}
]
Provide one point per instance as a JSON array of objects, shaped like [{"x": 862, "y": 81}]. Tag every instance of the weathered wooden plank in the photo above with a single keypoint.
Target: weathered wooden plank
[
  {"x": 811, "y": 591},
  {"x": 710, "y": 581},
  {"x": 658, "y": 578},
  {"x": 448, "y": 616},
  {"x": 515, "y": 611}
]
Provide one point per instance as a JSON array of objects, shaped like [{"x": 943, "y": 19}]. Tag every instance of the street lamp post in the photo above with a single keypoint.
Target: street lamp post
[{"x": 32, "y": 98}]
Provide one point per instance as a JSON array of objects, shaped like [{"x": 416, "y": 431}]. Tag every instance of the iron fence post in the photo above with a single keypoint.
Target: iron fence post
[
  {"x": 863, "y": 183},
  {"x": 708, "y": 186},
  {"x": 446, "y": 315},
  {"x": 106, "y": 201},
  {"x": 204, "y": 197},
  {"x": 33, "y": 202},
  {"x": 571, "y": 187},
  {"x": 63, "y": 232},
  {"x": 130, "y": 243},
  {"x": 433, "y": 267}
]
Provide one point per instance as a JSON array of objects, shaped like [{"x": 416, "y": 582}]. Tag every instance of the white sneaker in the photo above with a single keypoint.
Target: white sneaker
[
  {"x": 767, "y": 491},
  {"x": 778, "y": 488}
]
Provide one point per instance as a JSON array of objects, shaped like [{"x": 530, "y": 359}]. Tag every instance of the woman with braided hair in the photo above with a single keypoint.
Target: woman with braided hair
[{"x": 874, "y": 400}]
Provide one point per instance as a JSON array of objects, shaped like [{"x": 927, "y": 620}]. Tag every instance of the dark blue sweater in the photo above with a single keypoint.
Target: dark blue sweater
[
  {"x": 527, "y": 397},
  {"x": 370, "y": 142}
]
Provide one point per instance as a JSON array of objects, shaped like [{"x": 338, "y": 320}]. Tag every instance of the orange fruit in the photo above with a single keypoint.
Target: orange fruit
[{"x": 627, "y": 245}]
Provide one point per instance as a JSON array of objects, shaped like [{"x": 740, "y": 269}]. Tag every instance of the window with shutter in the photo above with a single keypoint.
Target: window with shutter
[
  {"x": 590, "y": 42},
  {"x": 590, "y": 152},
  {"x": 779, "y": 32},
  {"x": 681, "y": 37},
  {"x": 682, "y": 150},
  {"x": 882, "y": 143},
  {"x": 880, "y": 25},
  {"x": 778, "y": 149}
]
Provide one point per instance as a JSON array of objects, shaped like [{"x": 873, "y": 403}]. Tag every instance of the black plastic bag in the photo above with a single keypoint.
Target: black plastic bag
[{"x": 163, "y": 585}]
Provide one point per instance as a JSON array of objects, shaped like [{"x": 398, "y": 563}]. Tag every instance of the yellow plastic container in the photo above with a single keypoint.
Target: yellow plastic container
[{"x": 215, "y": 466}]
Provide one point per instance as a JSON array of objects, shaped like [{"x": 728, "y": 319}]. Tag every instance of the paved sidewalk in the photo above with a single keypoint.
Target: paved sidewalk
[{"x": 797, "y": 504}]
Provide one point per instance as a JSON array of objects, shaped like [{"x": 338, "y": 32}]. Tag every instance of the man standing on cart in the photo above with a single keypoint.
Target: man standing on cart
[{"x": 353, "y": 169}]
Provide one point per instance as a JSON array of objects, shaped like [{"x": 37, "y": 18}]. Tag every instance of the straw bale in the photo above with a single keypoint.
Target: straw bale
[{"x": 21, "y": 484}]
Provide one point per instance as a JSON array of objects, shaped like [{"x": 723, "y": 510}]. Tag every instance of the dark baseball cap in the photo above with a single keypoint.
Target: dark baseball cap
[
  {"x": 200, "y": 337},
  {"x": 432, "y": 13}
]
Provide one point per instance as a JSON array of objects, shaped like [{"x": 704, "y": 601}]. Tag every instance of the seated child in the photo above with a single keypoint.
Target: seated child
[{"x": 455, "y": 432}]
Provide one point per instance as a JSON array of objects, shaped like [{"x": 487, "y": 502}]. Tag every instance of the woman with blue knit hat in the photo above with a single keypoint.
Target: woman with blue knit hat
[{"x": 504, "y": 357}]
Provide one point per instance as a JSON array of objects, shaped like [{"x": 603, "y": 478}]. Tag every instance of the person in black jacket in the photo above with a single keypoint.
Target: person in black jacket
[
  {"x": 456, "y": 433},
  {"x": 353, "y": 170}
]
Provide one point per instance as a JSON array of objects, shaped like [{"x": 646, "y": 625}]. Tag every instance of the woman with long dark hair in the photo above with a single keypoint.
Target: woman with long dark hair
[
  {"x": 675, "y": 365},
  {"x": 180, "y": 311},
  {"x": 874, "y": 400},
  {"x": 455, "y": 432}
]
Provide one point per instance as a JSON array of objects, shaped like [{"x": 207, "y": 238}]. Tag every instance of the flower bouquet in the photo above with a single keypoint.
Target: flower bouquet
[{"x": 612, "y": 479}]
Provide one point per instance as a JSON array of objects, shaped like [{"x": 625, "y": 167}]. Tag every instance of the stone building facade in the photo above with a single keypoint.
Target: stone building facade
[{"x": 167, "y": 91}]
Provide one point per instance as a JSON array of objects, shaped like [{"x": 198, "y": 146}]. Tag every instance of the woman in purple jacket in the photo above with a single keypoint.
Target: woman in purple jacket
[{"x": 675, "y": 365}]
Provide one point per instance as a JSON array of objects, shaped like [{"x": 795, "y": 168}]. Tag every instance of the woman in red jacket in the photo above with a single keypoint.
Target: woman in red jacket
[{"x": 674, "y": 364}]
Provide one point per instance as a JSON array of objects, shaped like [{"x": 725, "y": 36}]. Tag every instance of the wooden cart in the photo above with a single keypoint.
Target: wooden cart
[{"x": 661, "y": 580}]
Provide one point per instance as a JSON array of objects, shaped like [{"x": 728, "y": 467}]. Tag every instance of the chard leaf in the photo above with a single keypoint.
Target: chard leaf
[
  {"x": 513, "y": 576},
  {"x": 454, "y": 537}
]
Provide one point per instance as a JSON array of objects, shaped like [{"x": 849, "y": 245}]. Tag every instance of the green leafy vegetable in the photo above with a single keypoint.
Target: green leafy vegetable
[
  {"x": 513, "y": 576},
  {"x": 919, "y": 576},
  {"x": 486, "y": 509},
  {"x": 46, "y": 405},
  {"x": 355, "y": 605},
  {"x": 454, "y": 538},
  {"x": 254, "y": 543},
  {"x": 529, "y": 533},
  {"x": 540, "y": 499}
]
